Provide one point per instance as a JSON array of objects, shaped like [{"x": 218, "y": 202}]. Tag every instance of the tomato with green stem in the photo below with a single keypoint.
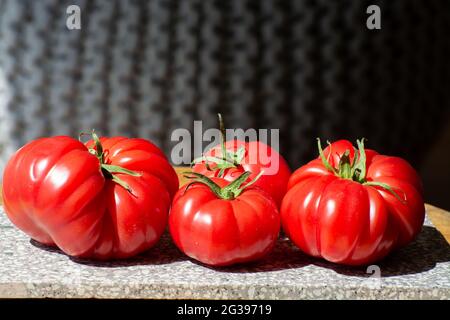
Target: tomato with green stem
[
  {"x": 106, "y": 199},
  {"x": 230, "y": 159},
  {"x": 220, "y": 223},
  {"x": 353, "y": 206}
]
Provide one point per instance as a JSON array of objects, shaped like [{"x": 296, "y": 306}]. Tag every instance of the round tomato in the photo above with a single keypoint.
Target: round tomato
[
  {"x": 232, "y": 158},
  {"x": 220, "y": 223},
  {"x": 107, "y": 199},
  {"x": 353, "y": 206}
]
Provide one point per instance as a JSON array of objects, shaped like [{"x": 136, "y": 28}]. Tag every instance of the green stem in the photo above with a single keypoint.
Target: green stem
[
  {"x": 222, "y": 135},
  {"x": 228, "y": 159},
  {"x": 233, "y": 190},
  {"x": 386, "y": 187},
  {"x": 359, "y": 168},
  {"x": 121, "y": 183},
  {"x": 117, "y": 169},
  {"x": 325, "y": 161},
  {"x": 345, "y": 167},
  {"x": 109, "y": 170},
  {"x": 200, "y": 178},
  {"x": 356, "y": 170},
  {"x": 229, "y": 192}
]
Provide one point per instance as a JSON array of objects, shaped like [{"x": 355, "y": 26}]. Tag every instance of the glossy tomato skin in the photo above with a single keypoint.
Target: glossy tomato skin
[
  {"x": 346, "y": 222},
  {"x": 258, "y": 157},
  {"x": 221, "y": 232},
  {"x": 54, "y": 191}
]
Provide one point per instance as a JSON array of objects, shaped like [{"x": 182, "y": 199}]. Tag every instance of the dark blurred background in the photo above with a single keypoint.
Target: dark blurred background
[{"x": 310, "y": 68}]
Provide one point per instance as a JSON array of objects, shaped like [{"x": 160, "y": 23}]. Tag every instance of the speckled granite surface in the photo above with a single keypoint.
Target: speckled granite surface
[{"x": 421, "y": 270}]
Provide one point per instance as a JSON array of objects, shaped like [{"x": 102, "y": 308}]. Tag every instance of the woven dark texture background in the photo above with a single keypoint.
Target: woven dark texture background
[{"x": 144, "y": 68}]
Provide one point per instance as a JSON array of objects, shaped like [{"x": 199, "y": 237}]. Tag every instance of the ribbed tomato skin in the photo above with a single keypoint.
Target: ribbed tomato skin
[
  {"x": 220, "y": 232},
  {"x": 346, "y": 222},
  {"x": 55, "y": 191},
  {"x": 258, "y": 157}
]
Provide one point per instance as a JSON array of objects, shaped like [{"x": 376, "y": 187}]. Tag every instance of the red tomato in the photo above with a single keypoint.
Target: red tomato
[
  {"x": 90, "y": 205},
  {"x": 353, "y": 211},
  {"x": 274, "y": 183},
  {"x": 232, "y": 158},
  {"x": 223, "y": 227}
]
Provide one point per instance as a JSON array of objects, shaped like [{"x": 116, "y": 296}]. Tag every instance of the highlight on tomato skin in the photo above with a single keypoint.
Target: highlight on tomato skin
[
  {"x": 106, "y": 199},
  {"x": 352, "y": 205},
  {"x": 219, "y": 223}
]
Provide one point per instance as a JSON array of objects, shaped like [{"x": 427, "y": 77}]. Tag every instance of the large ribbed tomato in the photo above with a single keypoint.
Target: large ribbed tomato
[
  {"x": 220, "y": 223},
  {"x": 353, "y": 211},
  {"x": 107, "y": 199}
]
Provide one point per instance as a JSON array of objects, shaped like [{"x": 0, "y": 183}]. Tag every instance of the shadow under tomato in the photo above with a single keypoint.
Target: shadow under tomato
[
  {"x": 283, "y": 256},
  {"x": 429, "y": 249},
  {"x": 423, "y": 254},
  {"x": 164, "y": 252}
]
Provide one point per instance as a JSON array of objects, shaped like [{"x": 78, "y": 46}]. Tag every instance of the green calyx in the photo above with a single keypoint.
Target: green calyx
[
  {"x": 228, "y": 159},
  {"x": 109, "y": 171},
  {"x": 229, "y": 192},
  {"x": 354, "y": 170}
]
